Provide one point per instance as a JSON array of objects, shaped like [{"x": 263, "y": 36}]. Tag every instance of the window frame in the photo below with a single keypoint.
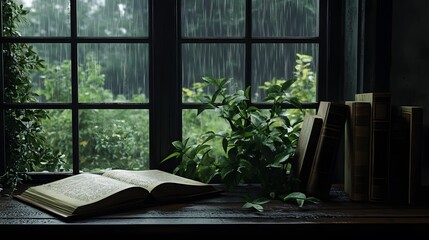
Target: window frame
[
  {"x": 164, "y": 39},
  {"x": 175, "y": 133}
]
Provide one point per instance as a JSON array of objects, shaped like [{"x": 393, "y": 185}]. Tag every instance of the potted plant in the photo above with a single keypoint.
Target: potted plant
[{"x": 258, "y": 146}]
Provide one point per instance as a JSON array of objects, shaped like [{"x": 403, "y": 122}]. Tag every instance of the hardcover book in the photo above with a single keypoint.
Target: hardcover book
[
  {"x": 357, "y": 150},
  {"x": 413, "y": 116},
  {"x": 406, "y": 154},
  {"x": 380, "y": 143},
  {"x": 306, "y": 149},
  {"x": 320, "y": 179},
  {"x": 89, "y": 194}
]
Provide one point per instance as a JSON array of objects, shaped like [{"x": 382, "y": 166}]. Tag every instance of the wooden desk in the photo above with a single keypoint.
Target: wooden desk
[{"x": 223, "y": 215}]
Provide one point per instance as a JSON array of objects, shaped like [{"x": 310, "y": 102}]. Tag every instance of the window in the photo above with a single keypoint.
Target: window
[{"x": 117, "y": 72}]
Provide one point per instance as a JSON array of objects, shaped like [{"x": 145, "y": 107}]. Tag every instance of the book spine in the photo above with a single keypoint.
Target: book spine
[
  {"x": 357, "y": 150},
  {"x": 414, "y": 124},
  {"x": 320, "y": 179},
  {"x": 306, "y": 149},
  {"x": 380, "y": 144}
]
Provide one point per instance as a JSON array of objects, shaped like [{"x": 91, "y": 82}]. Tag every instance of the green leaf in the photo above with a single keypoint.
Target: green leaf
[
  {"x": 222, "y": 82},
  {"x": 209, "y": 80},
  {"x": 204, "y": 107},
  {"x": 295, "y": 102},
  {"x": 300, "y": 202},
  {"x": 225, "y": 144},
  {"x": 257, "y": 207},
  {"x": 215, "y": 95},
  {"x": 247, "y": 92},
  {"x": 200, "y": 148},
  {"x": 255, "y": 203},
  {"x": 252, "y": 109},
  {"x": 286, "y": 85},
  {"x": 172, "y": 155},
  {"x": 300, "y": 198},
  {"x": 282, "y": 157},
  {"x": 211, "y": 135},
  {"x": 185, "y": 142},
  {"x": 294, "y": 195},
  {"x": 178, "y": 145},
  {"x": 205, "y": 99}
]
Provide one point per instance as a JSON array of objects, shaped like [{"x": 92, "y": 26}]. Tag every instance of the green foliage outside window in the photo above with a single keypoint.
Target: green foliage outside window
[
  {"x": 26, "y": 142},
  {"x": 107, "y": 138}
]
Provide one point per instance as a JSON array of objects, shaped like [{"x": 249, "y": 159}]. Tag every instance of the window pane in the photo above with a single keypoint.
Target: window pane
[
  {"x": 50, "y": 18},
  {"x": 58, "y": 134},
  {"x": 45, "y": 143},
  {"x": 113, "y": 139},
  {"x": 213, "y": 18},
  {"x": 194, "y": 126},
  {"x": 113, "y": 73},
  {"x": 113, "y": 18},
  {"x": 53, "y": 82},
  {"x": 281, "y": 18},
  {"x": 213, "y": 60},
  {"x": 273, "y": 62}
]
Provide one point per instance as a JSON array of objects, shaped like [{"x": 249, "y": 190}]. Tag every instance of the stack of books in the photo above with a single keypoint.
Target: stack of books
[
  {"x": 383, "y": 150},
  {"x": 317, "y": 149}
]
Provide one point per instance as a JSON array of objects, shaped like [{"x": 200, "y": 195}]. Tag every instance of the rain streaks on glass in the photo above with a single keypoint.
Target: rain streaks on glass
[
  {"x": 113, "y": 73},
  {"x": 213, "y": 18},
  {"x": 46, "y": 18},
  {"x": 113, "y": 18},
  {"x": 53, "y": 82},
  {"x": 283, "y": 18},
  {"x": 278, "y": 61},
  {"x": 212, "y": 60}
]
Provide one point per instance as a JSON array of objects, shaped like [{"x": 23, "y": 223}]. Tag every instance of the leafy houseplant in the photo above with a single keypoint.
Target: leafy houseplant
[
  {"x": 259, "y": 145},
  {"x": 23, "y": 130}
]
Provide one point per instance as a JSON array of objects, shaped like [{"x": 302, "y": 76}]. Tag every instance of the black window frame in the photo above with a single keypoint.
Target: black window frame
[{"x": 165, "y": 103}]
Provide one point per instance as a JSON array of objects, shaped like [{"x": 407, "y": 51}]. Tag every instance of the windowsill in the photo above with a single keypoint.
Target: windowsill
[{"x": 223, "y": 214}]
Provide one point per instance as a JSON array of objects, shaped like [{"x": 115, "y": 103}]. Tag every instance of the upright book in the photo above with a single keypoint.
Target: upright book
[
  {"x": 91, "y": 194},
  {"x": 380, "y": 143},
  {"x": 413, "y": 116},
  {"x": 306, "y": 149},
  {"x": 357, "y": 150},
  {"x": 320, "y": 179}
]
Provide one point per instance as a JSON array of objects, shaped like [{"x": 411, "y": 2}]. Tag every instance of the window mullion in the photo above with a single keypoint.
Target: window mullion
[
  {"x": 165, "y": 100},
  {"x": 328, "y": 76},
  {"x": 248, "y": 51},
  {"x": 74, "y": 69}
]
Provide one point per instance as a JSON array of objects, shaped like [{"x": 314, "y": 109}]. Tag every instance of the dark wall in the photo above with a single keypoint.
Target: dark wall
[{"x": 409, "y": 75}]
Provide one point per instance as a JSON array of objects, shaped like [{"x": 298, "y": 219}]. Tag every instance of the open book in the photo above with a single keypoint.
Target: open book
[{"x": 88, "y": 194}]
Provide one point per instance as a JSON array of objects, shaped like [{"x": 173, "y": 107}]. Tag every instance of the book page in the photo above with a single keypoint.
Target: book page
[
  {"x": 79, "y": 190},
  {"x": 149, "y": 179}
]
